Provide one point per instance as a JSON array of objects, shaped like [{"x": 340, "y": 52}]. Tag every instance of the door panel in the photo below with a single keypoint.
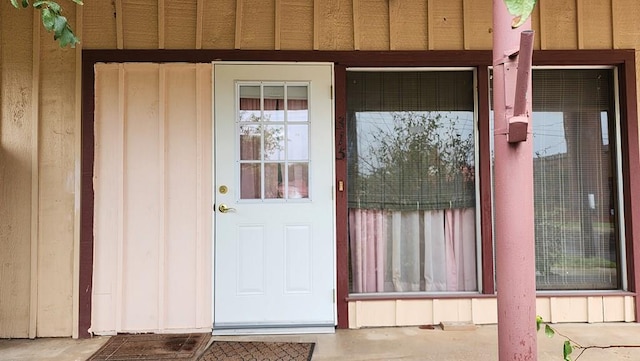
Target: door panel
[{"x": 274, "y": 243}]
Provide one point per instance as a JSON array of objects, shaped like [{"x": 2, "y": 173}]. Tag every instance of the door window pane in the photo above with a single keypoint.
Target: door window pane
[
  {"x": 250, "y": 142},
  {"x": 274, "y": 142},
  {"x": 274, "y": 185},
  {"x": 249, "y": 104},
  {"x": 411, "y": 181},
  {"x": 297, "y": 104},
  {"x": 298, "y": 176},
  {"x": 250, "y": 181},
  {"x": 274, "y": 103},
  {"x": 298, "y": 142},
  {"x": 273, "y": 131}
]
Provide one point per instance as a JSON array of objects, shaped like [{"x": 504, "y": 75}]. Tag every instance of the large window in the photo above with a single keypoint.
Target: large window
[
  {"x": 575, "y": 179},
  {"x": 411, "y": 181}
]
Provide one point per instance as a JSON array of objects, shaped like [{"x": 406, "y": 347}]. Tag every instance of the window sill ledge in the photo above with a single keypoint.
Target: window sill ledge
[{"x": 469, "y": 295}]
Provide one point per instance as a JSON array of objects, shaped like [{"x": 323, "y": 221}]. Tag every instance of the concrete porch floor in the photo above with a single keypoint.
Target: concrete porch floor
[{"x": 401, "y": 343}]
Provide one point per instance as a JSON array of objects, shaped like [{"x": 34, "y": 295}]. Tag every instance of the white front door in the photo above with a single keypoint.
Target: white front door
[{"x": 274, "y": 208}]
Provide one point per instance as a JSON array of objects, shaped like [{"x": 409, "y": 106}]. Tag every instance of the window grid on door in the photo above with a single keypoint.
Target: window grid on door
[{"x": 272, "y": 125}]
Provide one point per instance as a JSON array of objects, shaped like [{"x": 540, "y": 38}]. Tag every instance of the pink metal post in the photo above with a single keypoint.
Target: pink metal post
[{"x": 514, "y": 228}]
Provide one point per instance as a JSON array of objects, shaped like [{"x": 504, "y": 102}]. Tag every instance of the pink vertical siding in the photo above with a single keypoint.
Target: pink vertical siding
[{"x": 153, "y": 178}]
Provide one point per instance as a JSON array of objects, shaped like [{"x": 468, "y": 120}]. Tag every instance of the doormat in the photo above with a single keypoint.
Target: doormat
[
  {"x": 183, "y": 347},
  {"x": 258, "y": 351}
]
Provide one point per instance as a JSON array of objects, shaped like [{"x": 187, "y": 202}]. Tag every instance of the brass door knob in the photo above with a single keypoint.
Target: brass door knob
[{"x": 224, "y": 209}]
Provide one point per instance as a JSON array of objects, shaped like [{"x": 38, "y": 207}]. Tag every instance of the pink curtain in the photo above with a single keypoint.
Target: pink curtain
[
  {"x": 405, "y": 254},
  {"x": 368, "y": 236},
  {"x": 249, "y": 103},
  {"x": 459, "y": 235},
  {"x": 293, "y": 104},
  {"x": 272, "y": 104},
  {"x": 435, "y": 251},
  {"x": 394, "y": 240}
]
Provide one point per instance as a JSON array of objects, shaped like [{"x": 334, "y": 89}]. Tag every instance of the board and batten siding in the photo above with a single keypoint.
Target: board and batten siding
[
  {"x": 152, "y": 182},
  {"x": 40, "y": 100},
  {"x": 39, "y": 169}
]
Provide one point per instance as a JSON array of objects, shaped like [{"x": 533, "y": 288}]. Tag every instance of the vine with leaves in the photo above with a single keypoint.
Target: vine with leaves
[
  {"x": 53, "y": 20},
  {"x": 570, "y": 345}
]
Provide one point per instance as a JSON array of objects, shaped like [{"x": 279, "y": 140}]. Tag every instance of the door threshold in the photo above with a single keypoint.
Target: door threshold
[{"x": 271, "y": 330}]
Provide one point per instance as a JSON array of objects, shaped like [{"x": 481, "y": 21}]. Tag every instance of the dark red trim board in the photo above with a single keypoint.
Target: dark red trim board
[{"x": 342, "y": 235}]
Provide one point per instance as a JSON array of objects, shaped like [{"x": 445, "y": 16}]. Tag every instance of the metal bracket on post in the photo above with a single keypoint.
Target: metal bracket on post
[{"x": 519, "y": 122}]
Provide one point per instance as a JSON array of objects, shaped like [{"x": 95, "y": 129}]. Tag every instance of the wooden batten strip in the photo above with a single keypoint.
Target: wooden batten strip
[
  {"x": 199, "y": 23},
  {"x": 77, "y": 176},
  {"x": 356, "y": 24},
  {"x": 543, "y": 33},
  {"x": 316, "y": 24},
  {"x": 35, "y": 175},
  {"x": 466, "y": 15},
  {"x": 278, "y": 27},
  {"x": 200, "y": 209},
  {"x": 394, "y": 20},
  {"x": 161, "y": 24},
  {"x": 119, "y": 286},
  {"x": 239, "y": 4},
  {"x": 162, "y": 196},
  {"x": 580, "y": 23},
  {"x": 614, "y": 23},
  {"x": 430, "y": 22},
  {"x": 119, "y": 26}
]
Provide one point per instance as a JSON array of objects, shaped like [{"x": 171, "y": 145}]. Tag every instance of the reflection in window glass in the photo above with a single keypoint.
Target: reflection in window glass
[
  {"x": 298, "y": 142},
  {"x": 274, "y": 142},
  {"x": 411, "y": 181},
  {"x": 250, "y": 142},
  {"x": 576, "y": 230}
]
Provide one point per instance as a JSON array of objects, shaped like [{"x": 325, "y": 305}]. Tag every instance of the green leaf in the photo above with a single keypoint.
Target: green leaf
[
  {"x": 59, "y": 24},
  {"x": 39, "y": 4},
  {"x": 539, "y": 321},
  {"x": 53, "y": 6},
  {"x": 567, "y": 350},
  {"x": 549, "y": 331},
  {"x": 15, "y": 3},
  {"x": 25, "y": 3},
  {"x": 79, "y": 2},
  {"x": 48, "y": 19},
  {"x": 67, "y": 37},
  {"x": 521, "y": 10}
]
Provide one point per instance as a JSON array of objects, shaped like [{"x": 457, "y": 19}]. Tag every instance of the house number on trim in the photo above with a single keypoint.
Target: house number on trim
[{"x": 223, "y": 189}]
